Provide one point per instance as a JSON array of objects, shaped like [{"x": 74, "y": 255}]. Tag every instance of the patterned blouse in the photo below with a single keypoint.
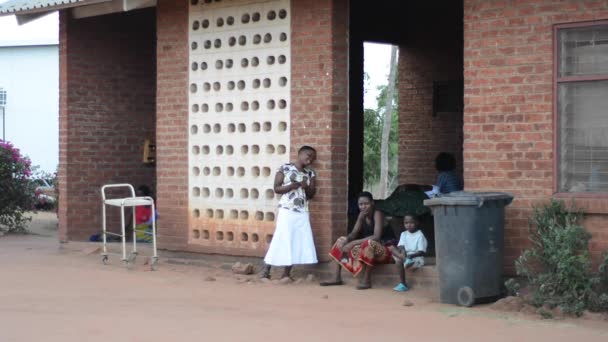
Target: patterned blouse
[{"x": 295, "y": 199}]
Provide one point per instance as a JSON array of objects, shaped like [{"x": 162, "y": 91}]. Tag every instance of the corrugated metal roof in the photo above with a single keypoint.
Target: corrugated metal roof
[{"x": 33, "y": 6}]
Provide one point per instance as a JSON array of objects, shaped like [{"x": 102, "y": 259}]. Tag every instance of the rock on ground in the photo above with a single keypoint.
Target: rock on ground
[
  {"x": 285, "y": 281},
  {"x": 511, "y": 304},
  {"x": 239, "y": 268},
  {"x": 595, "y": 316},
  {"x": 528, "y": 309}
]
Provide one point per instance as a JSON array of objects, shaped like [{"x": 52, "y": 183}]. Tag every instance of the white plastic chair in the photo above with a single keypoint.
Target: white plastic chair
[{"x": 132, "y": 202}]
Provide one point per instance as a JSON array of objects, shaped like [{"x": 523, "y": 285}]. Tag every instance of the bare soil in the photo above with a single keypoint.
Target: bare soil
[{"x": 53, "y": 292}]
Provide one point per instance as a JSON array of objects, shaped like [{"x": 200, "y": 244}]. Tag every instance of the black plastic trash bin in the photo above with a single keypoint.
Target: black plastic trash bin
[{"x": 469, "y": 243}]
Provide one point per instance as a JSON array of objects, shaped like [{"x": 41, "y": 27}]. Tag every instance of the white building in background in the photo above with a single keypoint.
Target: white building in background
[{"x": 29, "y": 73}]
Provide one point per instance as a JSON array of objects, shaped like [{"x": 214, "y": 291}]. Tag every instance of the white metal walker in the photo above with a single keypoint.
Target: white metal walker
[{"x": 132, "y": 202}]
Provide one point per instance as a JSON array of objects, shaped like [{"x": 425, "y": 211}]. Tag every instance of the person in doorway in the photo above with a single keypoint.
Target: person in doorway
[
  {"x": 292, "y": 242},
  {"x": 143, "y": 216},
  {"x": 447, "y": 179},
  {"x": 409, "y": 253},
  {"x": 143, "y": 221},
  {"x": 366, "y": 246}
]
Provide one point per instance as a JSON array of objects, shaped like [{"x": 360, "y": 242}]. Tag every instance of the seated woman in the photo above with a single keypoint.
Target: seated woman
[{"x": 360, "y": 250}]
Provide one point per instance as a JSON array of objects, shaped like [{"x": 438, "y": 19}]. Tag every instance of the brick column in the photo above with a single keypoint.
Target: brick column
[
  {"x": 172, "y": 123},
  {"x": 319, "y": 116}
]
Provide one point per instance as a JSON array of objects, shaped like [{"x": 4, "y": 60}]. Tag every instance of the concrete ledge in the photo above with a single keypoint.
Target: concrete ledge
[{"x": 383, "y": 276}]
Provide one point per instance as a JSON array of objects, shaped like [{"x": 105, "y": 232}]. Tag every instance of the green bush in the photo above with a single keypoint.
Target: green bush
[
  {"x": 16, "y": 191},
  {"x": 598, "y": 300},
  {"x": 558, "y": 266}
]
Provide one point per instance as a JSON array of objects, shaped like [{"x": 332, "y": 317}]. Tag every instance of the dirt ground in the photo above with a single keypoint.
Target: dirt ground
[{"x": 53, "y": 293}]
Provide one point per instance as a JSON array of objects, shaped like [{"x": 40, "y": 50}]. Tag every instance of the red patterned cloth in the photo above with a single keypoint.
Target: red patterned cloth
[{"x": 370, "y": 253}]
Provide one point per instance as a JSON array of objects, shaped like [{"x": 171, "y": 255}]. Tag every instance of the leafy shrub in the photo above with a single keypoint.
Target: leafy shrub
[
  {"x": 512, "y": 287},
  {"x": 598, "y": 301},
  {"x": 16, "y": 192},
  {"x": 558, "y": 266}
]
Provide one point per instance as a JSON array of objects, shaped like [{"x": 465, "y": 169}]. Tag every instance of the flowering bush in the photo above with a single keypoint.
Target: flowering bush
[{"x": 16, "y": 193}]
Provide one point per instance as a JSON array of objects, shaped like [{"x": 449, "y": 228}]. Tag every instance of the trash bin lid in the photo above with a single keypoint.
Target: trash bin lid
[{"x": 469, "y": 198}]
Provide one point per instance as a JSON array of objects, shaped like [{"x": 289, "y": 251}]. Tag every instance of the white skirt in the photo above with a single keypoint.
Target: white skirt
[{"x": 292, "y": 242}]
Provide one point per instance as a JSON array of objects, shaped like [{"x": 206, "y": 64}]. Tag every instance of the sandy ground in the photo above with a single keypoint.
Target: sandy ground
[
  {"x": 44, "y": 223},
  {"x": 48, "y": 293}
]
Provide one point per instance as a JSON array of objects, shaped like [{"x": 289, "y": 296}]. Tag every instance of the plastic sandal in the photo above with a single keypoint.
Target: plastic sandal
[{"x": 331, "y": 283}]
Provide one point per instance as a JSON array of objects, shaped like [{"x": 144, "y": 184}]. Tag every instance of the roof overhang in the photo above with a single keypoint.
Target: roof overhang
[
  {"x": 21, "y": 7},
  {"x": 29, "y": 10},
  {"x": 113, "y": 6}
]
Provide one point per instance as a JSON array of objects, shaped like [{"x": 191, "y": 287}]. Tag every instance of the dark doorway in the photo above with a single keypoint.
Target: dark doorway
[{"x": 430, "y": 39}]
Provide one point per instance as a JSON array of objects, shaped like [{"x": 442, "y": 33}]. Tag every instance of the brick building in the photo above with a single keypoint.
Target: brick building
[{"x": 228, "y": 89}]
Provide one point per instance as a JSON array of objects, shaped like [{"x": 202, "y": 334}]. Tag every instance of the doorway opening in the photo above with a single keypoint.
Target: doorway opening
[
  {"x": 380, "y": 119},
  {"x": 110, "y": 101},
  {"x": 429, "y": 88}
]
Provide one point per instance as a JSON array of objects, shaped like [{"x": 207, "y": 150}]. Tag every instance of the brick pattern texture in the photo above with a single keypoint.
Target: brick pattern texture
[
  {"x": 428, "y": 56},
  {"x": 107, "y": 103},
  {"x": 508, "y": 121},
  {"x": 318, "y": 116},
  {"x": 319, "y": 109},
  {"x": 109, "y": 76},
  {"x": 172, "y": 123}
]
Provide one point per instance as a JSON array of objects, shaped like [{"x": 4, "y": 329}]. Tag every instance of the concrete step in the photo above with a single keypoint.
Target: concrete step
[
  {"x": 383, "y": 275},
  {"x": 425, "y": 278}
]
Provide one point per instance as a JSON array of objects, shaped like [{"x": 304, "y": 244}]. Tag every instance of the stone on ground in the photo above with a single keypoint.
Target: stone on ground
[
  {"x": 407, "y": 303},
  {"x": 510, "y": 304},
  {"x": 239, "y": 268}
]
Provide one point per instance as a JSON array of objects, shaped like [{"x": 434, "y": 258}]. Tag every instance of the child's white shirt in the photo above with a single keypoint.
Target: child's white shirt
[{"x": 413, "y": 243}]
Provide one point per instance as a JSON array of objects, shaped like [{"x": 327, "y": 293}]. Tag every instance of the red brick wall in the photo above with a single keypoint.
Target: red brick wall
[
  {"x": 428, "y": 56},
  {"x": 508, "y": 122},
  {"x": 107, "y": 68},
  {"x": 318, "y": 117},
  {"x": 172, "y": 123},
  {"x": 62, "y": 171},
  {"x": 319, "y": 113}
]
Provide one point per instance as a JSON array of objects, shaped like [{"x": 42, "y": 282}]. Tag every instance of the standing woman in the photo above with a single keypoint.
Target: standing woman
[{"x": 292, "y": 242}]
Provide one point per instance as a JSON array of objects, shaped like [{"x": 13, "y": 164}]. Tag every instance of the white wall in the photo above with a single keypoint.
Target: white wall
[{"x": 30, "y": 75}]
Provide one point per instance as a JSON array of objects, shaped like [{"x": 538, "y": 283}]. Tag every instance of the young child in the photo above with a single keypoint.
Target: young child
[
  {"x": 292, "y": 242},
  {"x": 143, "y": 216},
  {"x": 447, "y": 179},
  {"x": 410, "y": 250}
]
